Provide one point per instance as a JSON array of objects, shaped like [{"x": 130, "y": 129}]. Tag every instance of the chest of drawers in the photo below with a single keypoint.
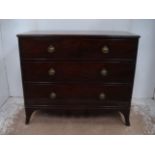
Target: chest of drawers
[{"x": 89, "y": 72}]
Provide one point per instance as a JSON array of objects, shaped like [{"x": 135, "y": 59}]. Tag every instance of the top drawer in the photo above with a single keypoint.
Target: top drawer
[{"x": 62, "y": 47}]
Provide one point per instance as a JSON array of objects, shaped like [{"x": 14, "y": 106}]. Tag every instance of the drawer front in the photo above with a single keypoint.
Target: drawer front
[
  {"x": 71, "y": 71},
  {"x": 77, "y": 92},
  {"x": 60, "y": 47}
]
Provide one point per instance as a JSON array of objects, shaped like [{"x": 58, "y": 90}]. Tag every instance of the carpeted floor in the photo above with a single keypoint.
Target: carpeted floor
[
  {"x": 45, "y": 123},
  {"x": 42, "y": 123}
]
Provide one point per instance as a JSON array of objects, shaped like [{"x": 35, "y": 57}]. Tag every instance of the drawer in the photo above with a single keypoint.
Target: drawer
[
  {"x": 77, "y": 92},
  {"x": 59, "y": 47},
  {"x": 82, "y": 71}
]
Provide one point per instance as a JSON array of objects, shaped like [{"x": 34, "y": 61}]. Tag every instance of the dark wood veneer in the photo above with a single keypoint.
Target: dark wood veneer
[
  {"x": 78, "y": 71},
  {"x": 77, "y": 84},
  {"x": 75, "y": 91},
  {"x": 76, "y": 48}
]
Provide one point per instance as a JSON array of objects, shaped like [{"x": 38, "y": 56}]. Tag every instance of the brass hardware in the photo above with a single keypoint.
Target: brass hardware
[
  {"x": 102, "y": 96},
  {"x": 51, "y": 49},
  {"x": 51, "y": 72},
  {"x": 105, "y": 49},
  {"x": 53, "y": 95},
  {"x": 104, "y": 72}
]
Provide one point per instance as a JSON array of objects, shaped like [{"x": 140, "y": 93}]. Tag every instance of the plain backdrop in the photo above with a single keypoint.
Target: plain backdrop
[{"x": 10, "y": 76}]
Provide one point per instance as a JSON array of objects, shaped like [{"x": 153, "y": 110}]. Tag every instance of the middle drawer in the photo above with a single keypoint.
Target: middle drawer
[{"x": 73, "y": 71}]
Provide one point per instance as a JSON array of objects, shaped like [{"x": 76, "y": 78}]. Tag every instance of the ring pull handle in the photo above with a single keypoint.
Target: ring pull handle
[
  {"x": 105, "y": 49},
  {"x": 102, "y": 96},
  {"x": 51, "y": 72},
  {"x": 104, "y": 72},
  {"x": 51, "y": 49},
  {"x": 52, "y": 95}
]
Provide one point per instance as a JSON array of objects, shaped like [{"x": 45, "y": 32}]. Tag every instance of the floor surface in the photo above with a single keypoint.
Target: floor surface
[{"x": 12, "y": 118}]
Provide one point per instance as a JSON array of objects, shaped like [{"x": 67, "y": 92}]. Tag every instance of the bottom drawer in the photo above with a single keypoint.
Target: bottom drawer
[{"x": 75, "y": 93}]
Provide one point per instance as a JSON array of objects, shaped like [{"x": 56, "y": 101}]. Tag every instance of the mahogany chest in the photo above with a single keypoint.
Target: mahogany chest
[{"x": 89, "y": 72}]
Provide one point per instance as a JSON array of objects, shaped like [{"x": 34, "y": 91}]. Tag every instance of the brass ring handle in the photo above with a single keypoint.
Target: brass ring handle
[
  {"x": 104, "y": 72},
  {"x": 52, "y": 95},
  {"x": 102, "y": 96},
  {"x": 51, "y": 49},
  {"x": 51, "y": 72},
  {"x": 105, "y": 49}
]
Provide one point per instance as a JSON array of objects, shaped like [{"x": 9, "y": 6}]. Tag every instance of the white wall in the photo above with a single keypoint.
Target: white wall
[
  {"x": 9, "y": 29},
  {"x": 4, "y": 90},
  {"x": 80, "y": 24},
  {"x": 145, "y": 73}
]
